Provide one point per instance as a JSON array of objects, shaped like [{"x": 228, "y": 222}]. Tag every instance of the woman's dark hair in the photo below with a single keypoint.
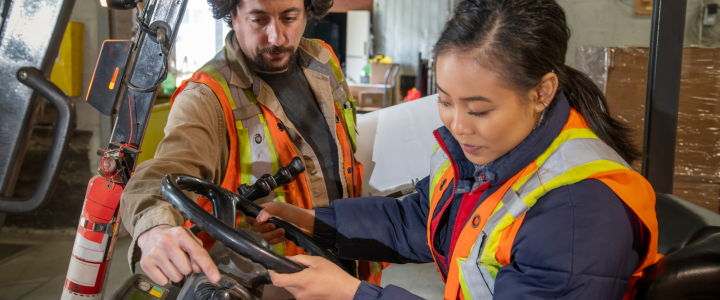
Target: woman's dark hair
[
  {"x": 523, "y": 40},
  {"x": 225, "y": 9}
]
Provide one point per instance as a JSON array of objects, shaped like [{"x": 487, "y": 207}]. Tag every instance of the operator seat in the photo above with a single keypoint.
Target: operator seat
[{"x": 690, "y": 239}]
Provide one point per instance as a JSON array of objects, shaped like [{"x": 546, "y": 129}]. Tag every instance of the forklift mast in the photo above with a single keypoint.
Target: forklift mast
[{"x": 125, "y": 83}]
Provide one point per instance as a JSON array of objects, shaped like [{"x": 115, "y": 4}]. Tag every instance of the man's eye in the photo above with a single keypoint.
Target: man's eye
[{"x": 290, "y": 19}]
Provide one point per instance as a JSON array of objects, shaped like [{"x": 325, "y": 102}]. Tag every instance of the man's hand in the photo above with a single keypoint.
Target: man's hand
[
  {"x": 300, "y": 217},
  {"x": 321, "y": 280},
  {"x": 169, "y": 252}
]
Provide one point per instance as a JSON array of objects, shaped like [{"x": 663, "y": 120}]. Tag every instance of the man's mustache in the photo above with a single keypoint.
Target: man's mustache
[{"x": 277, "y": 50}]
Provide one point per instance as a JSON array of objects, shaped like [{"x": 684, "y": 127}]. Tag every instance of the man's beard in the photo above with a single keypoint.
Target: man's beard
[{"x": 266, "y": 65}]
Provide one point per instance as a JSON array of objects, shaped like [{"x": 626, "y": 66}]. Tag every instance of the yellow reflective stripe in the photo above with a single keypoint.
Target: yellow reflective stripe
[
  {"x": 564, "y": 136},
  {"x": 570, "y": 134},
  {"x": 280, "y": 248},
  {"x": 487, "y": 258},
  {"x": 333, "y": 63},
  {"x": 570, "y": 176},
  {"x": 245, "y": 154},
  {"x": 280, "y": 197},
  {"x": 437, "y": 146},
  {"x": 349, "y": 116},
  {"x": 436, "y": 178},
  {"x": 271, "y": 145},
  {"x": 336, "y": 70},
  {"x": 251, "y": 96},
  {"x": 210, "y": 70},
  {"x": 463, "y": 285}
]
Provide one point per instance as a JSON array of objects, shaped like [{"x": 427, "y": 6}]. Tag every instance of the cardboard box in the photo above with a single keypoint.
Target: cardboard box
[
  {"x": 621, "y": 72},
  {"x": 378, "y": 71},
  {"x": 702, "y": 194},
  {"x": 356, "y": 89},
  {"x": 369, "y": 99}
]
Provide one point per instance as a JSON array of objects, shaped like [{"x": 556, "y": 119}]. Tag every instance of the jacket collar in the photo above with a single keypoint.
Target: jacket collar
[
  {"x": 505, "y": 167},
  {"x": 244, "y": 77}
]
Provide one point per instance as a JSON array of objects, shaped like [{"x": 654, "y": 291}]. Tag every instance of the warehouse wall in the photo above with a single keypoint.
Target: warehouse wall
[
  {"x": 402, "y": 28},
  {"x": 95, "y": 18},
  {"x": 611, "y": 23}
]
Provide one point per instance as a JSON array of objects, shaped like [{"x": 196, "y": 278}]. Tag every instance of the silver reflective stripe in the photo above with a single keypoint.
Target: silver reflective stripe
[
  {"x": 571, "y": 154},
  {"x": 489, "y": 280},
  {"x": 243, "y": 103},
  {"x": 436, "y": 161},
  {"x": 249, "y": 115},
  {"x": 337, "y": 90},
  {"x": 475, "y": 279},
  {"x": 577, "y": 152},
  {"x": 247, "y": 112},
  {"x": 516, "y": 207},
  {"x": 221, "y": 64}
]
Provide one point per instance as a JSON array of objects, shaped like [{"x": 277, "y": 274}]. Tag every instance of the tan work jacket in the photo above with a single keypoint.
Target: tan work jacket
[{"x": 197, "y": 143}]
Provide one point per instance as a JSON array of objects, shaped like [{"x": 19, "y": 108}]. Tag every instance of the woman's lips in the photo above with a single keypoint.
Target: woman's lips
[{"x": 469, "y": 148}]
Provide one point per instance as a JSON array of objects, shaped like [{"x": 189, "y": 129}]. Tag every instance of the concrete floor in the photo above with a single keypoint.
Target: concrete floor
[{"x": 38, "y": 272}]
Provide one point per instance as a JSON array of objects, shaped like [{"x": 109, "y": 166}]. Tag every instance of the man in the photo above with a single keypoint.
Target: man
[{"x": 269, "y": 96}]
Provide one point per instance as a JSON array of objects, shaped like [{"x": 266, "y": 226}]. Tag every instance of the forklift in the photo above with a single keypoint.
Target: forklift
[{"x": 125, "y": 84}]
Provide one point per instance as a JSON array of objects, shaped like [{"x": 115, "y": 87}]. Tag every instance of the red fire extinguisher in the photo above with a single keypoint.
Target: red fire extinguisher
[{"x": 98, "y": 229}]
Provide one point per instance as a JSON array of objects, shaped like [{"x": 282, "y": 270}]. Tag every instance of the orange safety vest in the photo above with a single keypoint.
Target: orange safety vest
[
  {"x": 485, "y": 242},
  {"x": 257, "y": 135}
]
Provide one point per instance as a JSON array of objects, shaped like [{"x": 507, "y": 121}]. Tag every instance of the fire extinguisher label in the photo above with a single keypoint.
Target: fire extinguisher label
[
  {"x": 89, "y": 250},
  {"x": 84, "y": 273}
]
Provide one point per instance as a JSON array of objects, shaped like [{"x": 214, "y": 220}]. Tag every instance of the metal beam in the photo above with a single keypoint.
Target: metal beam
[
  {"x": 143, "y": 72},
  {"x": 663, "y": 93}
]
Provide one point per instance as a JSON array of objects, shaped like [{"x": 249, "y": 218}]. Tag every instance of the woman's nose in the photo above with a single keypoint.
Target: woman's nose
[{"x": 461, "y": 124}]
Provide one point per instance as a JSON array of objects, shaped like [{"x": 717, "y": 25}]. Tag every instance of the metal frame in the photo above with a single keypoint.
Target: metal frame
[
  {"x": 143, "y": 73},
  {"x": 663, "y": 93},
  {"x": 24, "y": 64}
]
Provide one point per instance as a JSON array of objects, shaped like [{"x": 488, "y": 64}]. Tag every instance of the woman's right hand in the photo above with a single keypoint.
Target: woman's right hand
[{"x": 304, "y": 219}]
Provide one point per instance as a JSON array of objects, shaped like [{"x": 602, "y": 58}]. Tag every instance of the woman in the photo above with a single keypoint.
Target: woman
[{"x": 530, "y": 194}]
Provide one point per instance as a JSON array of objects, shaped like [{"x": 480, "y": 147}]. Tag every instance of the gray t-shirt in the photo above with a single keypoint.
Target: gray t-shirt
[{"x": 297, "y": 99}]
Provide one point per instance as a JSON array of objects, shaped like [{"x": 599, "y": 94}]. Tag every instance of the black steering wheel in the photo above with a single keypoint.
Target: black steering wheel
[{"x": 221, "y": 226}]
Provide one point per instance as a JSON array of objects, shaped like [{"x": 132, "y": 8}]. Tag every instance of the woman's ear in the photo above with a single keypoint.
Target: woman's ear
[{"x": 545, "y": 91}]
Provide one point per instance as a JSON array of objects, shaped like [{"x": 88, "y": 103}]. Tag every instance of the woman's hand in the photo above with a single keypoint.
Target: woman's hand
[
  {"x": 300, "y": 217},
  {"x": 321, "y": 280}
]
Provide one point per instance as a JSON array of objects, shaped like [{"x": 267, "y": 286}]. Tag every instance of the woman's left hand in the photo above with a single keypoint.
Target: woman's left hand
[{"x": 321, "y": 280}]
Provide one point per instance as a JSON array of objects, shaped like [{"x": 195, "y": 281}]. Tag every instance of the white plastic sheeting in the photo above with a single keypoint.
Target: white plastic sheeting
[{"x": 395, "y": 145}]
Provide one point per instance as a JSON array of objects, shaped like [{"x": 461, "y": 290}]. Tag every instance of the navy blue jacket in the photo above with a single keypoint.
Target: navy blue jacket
[{"x": 577, "y": 242}]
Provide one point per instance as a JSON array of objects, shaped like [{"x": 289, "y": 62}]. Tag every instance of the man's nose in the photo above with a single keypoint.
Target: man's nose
[{"x": 276, "y": 34}]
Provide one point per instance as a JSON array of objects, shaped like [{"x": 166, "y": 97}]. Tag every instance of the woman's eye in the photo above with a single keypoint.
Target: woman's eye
[
  {"x": 479, "y": 114},
  {"x": 443, "y": 103}
]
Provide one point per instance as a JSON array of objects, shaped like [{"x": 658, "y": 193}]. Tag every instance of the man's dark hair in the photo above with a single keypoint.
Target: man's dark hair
[{"x": 225, "y": 9}]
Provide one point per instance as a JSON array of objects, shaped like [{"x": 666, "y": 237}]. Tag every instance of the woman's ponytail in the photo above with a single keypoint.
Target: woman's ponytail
[{"x": 585, "y": 97}]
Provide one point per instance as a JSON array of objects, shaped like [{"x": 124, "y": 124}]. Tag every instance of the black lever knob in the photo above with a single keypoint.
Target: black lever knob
[
  {"x": 296, "y": 166},
  {"x": 266, "y": 184}
]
